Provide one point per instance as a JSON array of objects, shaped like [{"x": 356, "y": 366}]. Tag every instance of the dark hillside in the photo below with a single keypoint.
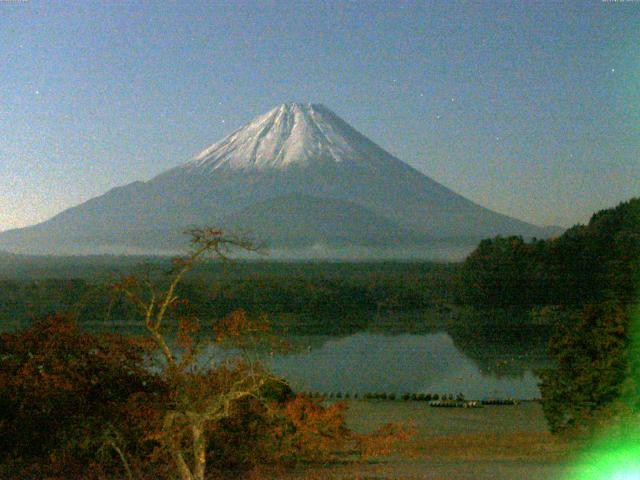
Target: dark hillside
[{"x": 587, "y": 263}]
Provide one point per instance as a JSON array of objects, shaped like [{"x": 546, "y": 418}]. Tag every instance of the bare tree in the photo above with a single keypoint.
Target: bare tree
[{"x": 200, "y": 396}]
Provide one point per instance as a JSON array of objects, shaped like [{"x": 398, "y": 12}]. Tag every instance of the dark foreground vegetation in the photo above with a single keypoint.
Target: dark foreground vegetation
[
  {"x": 585, "y": 283},
  {"x": 79, "y": 405}
]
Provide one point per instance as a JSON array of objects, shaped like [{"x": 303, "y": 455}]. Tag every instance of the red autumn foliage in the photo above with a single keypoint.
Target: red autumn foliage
[
  {"x": 74, "y": 405},
  {"x": 60, "y": 391},
  {"x": 77, "y": 405}
]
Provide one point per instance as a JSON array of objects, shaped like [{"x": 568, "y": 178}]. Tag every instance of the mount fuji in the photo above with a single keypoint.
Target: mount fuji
[{"x": 298, "y": 177}]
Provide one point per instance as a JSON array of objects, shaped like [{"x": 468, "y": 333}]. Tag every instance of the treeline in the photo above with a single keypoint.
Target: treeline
[
  {"x": 587, "y": 279},
  {"x": 214, "y": 291},
  {"x": 588, "y": 263}
]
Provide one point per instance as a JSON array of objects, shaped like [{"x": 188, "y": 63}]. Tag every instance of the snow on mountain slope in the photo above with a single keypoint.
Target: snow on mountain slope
[
  {"x": 291, "y": 134},
  {"x": 296, "y": 165}
]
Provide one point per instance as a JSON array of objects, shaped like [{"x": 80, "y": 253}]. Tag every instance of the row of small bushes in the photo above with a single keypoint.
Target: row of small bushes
[
  {"x": 427, "y": 397},
  {"x": 455, "y": 404},
  {"x": 420, "y": 397},
  {"x": 338, "y": 395},
  {"x": 500, "y": 401}
]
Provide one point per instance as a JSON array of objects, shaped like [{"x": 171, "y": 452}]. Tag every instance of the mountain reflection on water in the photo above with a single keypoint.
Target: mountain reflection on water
[
  {"x": 401, "y": 363},
  {"x": 419, "y": 353}
]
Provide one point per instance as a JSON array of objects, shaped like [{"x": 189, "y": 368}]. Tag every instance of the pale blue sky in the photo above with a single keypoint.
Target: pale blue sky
[{"x": 529, "y": 108}]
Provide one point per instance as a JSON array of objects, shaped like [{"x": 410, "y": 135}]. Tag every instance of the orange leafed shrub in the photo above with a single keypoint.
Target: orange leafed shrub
[
  {"x": 61, "y": 389},
  {"x": 238, "y": 325},
  {"x": 77, "y": 405},
  {"x": 312, "y": 431},
  {"x": 386, "y": 440}
]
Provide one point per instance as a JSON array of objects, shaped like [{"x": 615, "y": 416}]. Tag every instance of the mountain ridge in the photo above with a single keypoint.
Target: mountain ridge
[{"x": 302, "y": 150}]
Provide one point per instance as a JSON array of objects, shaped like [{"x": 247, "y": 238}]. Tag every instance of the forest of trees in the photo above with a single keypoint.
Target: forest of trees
[
  {"x": 34, "y": 289},
  {"x": 587, "y": 263},
  {"x": 586, "y": 282},
  {"x": 75, "y": 404}
]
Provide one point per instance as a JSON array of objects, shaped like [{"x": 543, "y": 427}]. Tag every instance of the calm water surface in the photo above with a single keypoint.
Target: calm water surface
[
  {"x": 374, "y": 362},
  {"x": 479, "y": 366}
]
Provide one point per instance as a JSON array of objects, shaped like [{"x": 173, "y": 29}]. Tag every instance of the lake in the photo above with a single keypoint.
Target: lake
[
  {"x": 400, "y": 363},
  {"x": 479, "y": 358}
]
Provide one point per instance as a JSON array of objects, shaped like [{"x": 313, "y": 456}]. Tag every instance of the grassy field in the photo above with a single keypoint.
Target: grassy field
[{"x": 493, "y": 442}]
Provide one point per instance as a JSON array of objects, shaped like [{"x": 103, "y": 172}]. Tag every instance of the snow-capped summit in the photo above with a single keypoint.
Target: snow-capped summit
[
  {"x": 290, "y": 134},
  {"x": 297, "y": 177}
]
